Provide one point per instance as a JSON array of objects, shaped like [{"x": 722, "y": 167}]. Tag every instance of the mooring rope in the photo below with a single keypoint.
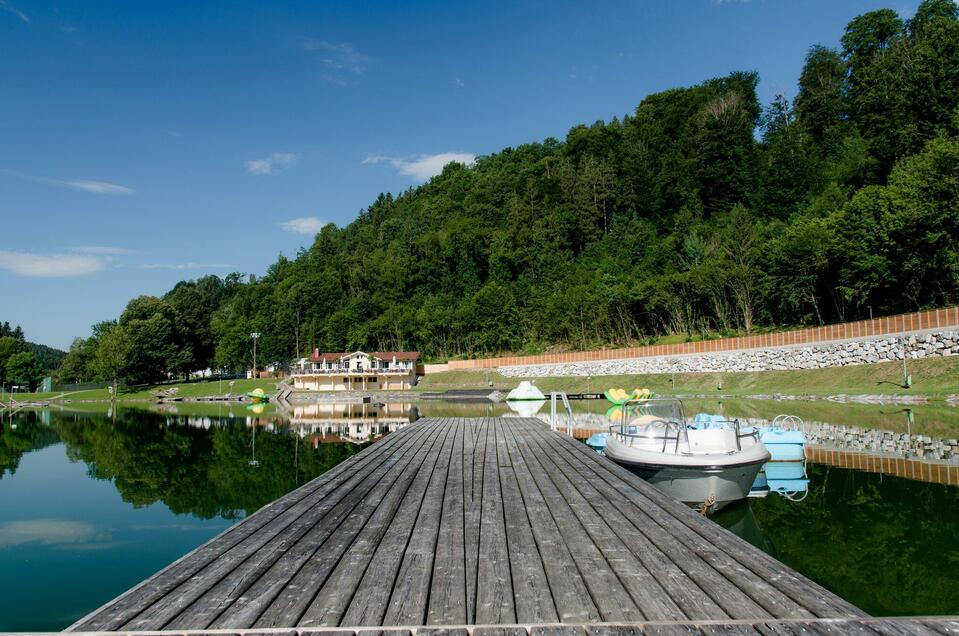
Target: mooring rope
[{"x": 709, "y": 503}]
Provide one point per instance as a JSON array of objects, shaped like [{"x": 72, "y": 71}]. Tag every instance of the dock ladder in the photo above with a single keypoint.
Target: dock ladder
[{"x": 553, "y": 415}]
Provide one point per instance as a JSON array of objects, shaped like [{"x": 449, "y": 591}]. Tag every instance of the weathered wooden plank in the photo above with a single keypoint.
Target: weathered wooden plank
[
  {"x": 369, "y": 604},
  {"x": 728, "y": 630},
  {"x": 666, "y": 629},
  {"x": 619, "y": 541},
  {"x": 383, "y": 632},
  {"x": 408, "y": 603},
  {"x": 232, "y": 587},
  {"x": 764, "y": 569},
  {"x": 337, "y": 591},
  {"x": 711, "y": 569},
  {"x": 314, "y": 558},
  {"x": 686, "y": 590},
  {"x": 557, "y": 630},
  {"x": 494, "y": 587},
  {"x": 531, "y": 590},
  {"x": 246, "y": 535},
  {"x": 442, "y": 631},
  {"x": 791, "y": 628},
  {"x": 566, "y": 585},
  {"x": 473, "y": 509},
  {"x": 942, "y": 626},
  {"x": 500, "y": 631},
  {"x": 899, "y": 626},
  {"x": 605, "y": 588},
  {"x": 447, "y": 597},
  {"x": 614, "y": 630}
]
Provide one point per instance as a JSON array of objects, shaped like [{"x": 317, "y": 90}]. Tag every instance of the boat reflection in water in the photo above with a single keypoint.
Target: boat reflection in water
[
  {"x": 524, "y": 408},
  {"x": 330, "y": 422}
]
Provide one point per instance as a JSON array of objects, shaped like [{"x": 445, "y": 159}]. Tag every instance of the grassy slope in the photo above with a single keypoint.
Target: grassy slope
[
  {"x": 193, "y": 389},
  {"x": 935, "y": 378}
]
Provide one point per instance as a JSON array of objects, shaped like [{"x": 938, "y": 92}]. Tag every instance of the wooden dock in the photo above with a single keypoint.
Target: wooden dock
[{"x": 487, "y": 521}]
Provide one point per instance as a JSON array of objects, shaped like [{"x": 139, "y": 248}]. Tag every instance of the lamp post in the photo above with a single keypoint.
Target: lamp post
[{"x": 255, "y": 335}]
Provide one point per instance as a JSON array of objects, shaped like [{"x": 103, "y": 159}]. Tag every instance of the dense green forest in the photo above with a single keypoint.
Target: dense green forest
[{"x": 702, "y": 211}]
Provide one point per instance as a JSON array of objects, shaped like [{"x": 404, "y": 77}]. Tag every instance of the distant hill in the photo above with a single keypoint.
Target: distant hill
[{"x": 49, "y": 357}]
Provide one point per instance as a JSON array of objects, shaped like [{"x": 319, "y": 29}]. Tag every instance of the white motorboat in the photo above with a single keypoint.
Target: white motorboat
[{"x": 707, "y": 466}]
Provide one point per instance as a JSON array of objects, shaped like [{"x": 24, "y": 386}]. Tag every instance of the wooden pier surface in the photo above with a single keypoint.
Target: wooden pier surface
[{"x": 484, "y": 521}]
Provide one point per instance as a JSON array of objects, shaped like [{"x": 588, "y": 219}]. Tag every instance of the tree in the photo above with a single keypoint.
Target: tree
[
  {"x": 819, "y": 104},
  {"x": 158, "y": 344},
  {"x": 114, "y": 351},
  {"x": 866, "y": 37},
  {"x": 78, "y": 365},
  {"x": 9, "y": 347},
  {"x": 24, "y": 369}
]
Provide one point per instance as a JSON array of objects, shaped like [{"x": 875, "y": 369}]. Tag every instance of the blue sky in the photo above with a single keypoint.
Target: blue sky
[{"x": 142, "y": 143}]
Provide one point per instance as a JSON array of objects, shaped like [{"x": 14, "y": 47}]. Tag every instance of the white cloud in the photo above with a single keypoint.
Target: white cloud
[
  {"x": 97, "y": 187},
  {"x": 183, "y": 266},
  {"x": 9, "y": 8},
  {"x": 341, "y": 60},
  {"x": 303, "y": 225},
  {"x": 52, "y": 266},
  {"x": 45, "y": 531},
  {"x": 85, "y": 185},
  {"x": 274, "y": 164},
  {"x": 102, "y": 250},
  {"x": 422, "y": 167},
  {"x": 458, "y": 82}
]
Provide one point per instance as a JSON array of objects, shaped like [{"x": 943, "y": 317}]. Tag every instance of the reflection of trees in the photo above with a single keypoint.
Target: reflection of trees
[
  {"x": 889, "y": 545},
  {"x": 205, "y": 472},
  {"x": 29, "y": 435}
]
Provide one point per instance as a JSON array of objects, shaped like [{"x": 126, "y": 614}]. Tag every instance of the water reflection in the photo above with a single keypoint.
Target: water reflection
[
  {"x": 195, "y": 465},
  {"x": 889, "y": 545},
  {"x": 327, "y": 422}
]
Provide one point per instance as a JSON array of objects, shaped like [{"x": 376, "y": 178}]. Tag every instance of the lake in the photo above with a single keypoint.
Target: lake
[{"x": 93, "y": 503}]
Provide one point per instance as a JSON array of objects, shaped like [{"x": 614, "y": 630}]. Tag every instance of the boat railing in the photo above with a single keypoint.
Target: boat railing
[
  {"x": 630, "y": 432},
  {"x": 753, "y": 432},
  {"x": 787, "y": 422}
]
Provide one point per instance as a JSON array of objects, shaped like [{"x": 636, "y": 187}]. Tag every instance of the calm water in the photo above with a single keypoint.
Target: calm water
[
  {"x": 91, "y": 504},
  {"x": 888, "y": 545}
]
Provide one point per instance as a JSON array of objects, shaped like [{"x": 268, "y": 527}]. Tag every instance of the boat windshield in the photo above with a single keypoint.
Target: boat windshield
[{"x": 646, "y": 412}]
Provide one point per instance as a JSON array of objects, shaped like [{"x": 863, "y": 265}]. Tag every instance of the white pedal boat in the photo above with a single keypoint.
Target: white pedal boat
[{"x": 714, "y": 466}]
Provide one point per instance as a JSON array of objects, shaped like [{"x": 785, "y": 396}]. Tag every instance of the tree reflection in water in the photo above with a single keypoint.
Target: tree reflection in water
[
  {"x": 887, "y": 544},
  {"x": 199, "y": 466}
]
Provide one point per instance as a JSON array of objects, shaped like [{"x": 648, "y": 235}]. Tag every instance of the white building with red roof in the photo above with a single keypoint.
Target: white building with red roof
[{"x": 357, "y": 371}]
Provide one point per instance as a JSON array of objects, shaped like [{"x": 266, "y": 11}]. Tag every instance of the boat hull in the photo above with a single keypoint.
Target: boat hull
[{"x": 696, "y": 485}]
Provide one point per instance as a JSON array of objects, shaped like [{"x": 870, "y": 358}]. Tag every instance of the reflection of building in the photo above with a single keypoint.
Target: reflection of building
[
  {"x": 358, "y": 423},
  {"x": 356, "y": 371}
]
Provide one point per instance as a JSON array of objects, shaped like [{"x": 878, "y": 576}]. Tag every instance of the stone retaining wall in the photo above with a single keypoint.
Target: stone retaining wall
[
  {"x": 920, "y": 321},
  {"x": 867, "y": 351}
]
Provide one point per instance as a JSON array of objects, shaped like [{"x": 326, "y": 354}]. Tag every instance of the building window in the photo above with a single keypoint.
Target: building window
[
  {"x": 345, "y": 380},
  {"x": 371, "y": 379}
]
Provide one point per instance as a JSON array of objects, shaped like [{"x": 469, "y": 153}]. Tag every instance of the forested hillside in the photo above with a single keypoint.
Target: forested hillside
[{"x": 703, "y": 210}]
